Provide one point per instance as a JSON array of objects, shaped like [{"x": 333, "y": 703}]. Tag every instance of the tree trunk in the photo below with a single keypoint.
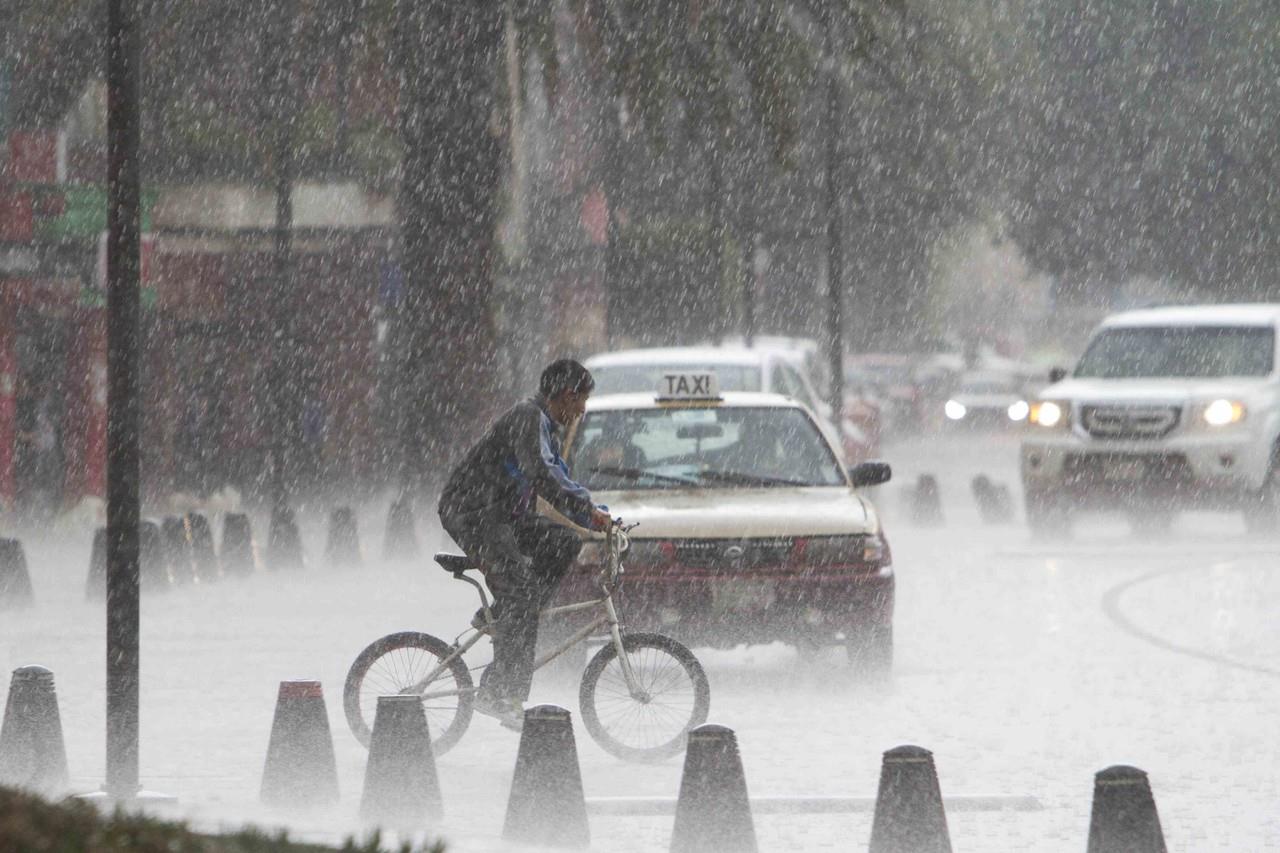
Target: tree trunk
[{"x": 449, "y": 53}]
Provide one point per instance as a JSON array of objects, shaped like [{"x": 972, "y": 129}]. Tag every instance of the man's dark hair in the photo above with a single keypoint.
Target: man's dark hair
[{"x": 565, "y": 374}]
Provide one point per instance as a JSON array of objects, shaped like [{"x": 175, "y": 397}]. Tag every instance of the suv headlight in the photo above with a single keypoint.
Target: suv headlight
[
  {"x": 1051, "y": 414},
  {"x": 1222, "y": 413}
]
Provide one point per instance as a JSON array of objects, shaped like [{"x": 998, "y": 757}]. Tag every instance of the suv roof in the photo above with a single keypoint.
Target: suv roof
[{"x": 1255, "y": 314}]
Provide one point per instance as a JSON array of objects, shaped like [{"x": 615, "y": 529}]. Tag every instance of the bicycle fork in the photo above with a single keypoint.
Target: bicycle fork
[{"x": 628, "y": 675}]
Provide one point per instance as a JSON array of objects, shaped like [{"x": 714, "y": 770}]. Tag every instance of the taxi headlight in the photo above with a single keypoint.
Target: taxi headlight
[
  {"x": 1048, "y": 413},
  {"x": 1221, "y": 413},
  {"x": 1018, "y": 411},
  {"x": 845, "y": 550},
  {"x": 955, "y": 410}
]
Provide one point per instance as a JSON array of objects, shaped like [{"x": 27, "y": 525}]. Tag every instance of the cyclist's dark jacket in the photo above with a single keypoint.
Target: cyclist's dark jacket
[{"x": 518, "y": 458}]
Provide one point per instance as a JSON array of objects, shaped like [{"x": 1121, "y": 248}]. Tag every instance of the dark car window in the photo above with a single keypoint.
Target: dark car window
[
  {"x": 1179, "y": 351},
  {"x": 711, "y": 447}
]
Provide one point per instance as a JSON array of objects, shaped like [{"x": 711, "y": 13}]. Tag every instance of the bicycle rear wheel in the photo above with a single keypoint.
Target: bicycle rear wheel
[
  {"x": 394, "y": 665},
  {"x": 676, "y": 698}
]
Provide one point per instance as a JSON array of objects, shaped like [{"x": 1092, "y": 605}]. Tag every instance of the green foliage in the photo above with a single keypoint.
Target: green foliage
[{"x": 28, "y": 822}]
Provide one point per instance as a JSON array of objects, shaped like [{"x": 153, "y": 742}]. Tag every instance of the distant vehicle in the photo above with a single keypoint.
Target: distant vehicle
[
  {"x": 1167, "y": 408},
  {"x": 773, "y": 370},
  {"x": 894, "y": 378},
  {"x": 987, "y": 400},
  {"x": 750, "y": 528},
  {"x": 806, "y": 354}
]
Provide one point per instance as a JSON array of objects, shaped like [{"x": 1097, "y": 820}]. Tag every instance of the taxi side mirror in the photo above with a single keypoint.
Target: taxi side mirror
[
  {"x": 870, "y": 474},
  {"x": 1057, "y": 374}
]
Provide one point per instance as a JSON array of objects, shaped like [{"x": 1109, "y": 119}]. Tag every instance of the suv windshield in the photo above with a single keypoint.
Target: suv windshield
[
  {"x": 644, "y": 378},
  {"x": 701, "y": 448},
  {"x": 1179, "y": 351}
]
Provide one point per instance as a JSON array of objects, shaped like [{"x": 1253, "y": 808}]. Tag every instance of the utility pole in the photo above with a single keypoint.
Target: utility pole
[
  {"x": 282, "y": 381},
  {"x": 123, "y": 407},
  {"x": 835, "y": 248}
]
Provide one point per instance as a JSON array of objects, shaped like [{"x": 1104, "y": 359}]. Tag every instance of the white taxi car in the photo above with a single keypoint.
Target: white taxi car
[
  {"x": 1167, "y": 408},
  {"x": 750, "y": 527},
  {"x": 768, "y": 367}
]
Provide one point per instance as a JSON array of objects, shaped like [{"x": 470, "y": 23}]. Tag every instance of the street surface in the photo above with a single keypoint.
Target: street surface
[{"x": 1024, "y": 666}]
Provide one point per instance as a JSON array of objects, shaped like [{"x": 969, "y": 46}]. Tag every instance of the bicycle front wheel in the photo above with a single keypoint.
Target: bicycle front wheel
[
  {"x": 397, "y": 664},
  {"x": 672, "y": 697}
]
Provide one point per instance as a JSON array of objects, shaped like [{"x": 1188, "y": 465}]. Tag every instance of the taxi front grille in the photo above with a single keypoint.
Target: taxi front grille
[
  {"x": 1129, "y": 422},
  {"x": 743, "y": 553}
]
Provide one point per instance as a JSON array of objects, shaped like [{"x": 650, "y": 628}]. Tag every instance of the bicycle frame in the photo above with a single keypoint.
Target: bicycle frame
[{"x": 609, "y": 579}]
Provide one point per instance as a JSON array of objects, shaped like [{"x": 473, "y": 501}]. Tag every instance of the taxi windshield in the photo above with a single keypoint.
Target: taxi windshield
[
  {"x": 632, "y": 378},
  {"x": 1174, "y": 351},
  {"x": 702, "y": 447}
]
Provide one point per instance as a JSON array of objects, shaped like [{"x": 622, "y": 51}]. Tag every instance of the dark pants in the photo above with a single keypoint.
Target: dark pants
[{"x": 524, "y": 561}]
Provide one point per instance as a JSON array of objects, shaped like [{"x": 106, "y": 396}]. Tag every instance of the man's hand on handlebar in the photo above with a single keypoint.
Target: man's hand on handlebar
[{"x": 600, "y": 520}]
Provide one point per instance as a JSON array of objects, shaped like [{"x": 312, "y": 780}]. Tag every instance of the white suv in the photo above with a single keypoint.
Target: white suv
[{"x": 1167, "y": 408}]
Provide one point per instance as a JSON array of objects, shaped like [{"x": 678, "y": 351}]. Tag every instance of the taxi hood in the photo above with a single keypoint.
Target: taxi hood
[{"x": 742, "y": 513}]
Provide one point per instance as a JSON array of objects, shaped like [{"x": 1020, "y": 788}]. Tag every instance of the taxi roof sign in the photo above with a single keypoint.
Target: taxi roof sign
[{"x": 689, "y": 385}]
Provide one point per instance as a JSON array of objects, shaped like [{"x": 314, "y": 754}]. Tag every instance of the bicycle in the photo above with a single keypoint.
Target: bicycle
[{"x": 640, "y": 694}]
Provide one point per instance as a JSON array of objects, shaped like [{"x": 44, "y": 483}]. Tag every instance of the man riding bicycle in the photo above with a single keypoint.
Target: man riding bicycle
[{"x": 489, "y": 507}]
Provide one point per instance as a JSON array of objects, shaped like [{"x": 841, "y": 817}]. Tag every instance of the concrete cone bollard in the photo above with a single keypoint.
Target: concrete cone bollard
[
  {"x": 32, "y": 752},
  {"x": 401, "y": 788},
  {"x": 284, "y": 542},
  {"x": 713, "y": 812},
  {"x": 1124, "y": 816},
  {"x": 342, "y": 551},
  {"x": 546, "y": 805},
  {"x": 301, "y": 770},
  {"x": 926, "y": 501},
  {"x": 177, "y": 549},
  {"x": 909, "y": 815},
  {"x": 995, "y": 505},
  {"x": 153, "y": 568},
  {"x": 203, "y": 556},
  {"x": 95, "y": 588},
  {"x": 153, "y": 562},
  {"x": 16, "y": 592},
  {"x": 239, "y": 554},
  {"x": 401, "y": 542}
]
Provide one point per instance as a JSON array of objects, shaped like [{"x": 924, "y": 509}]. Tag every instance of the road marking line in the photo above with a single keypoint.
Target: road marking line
[
  {"x": 640, "y": 806},
  {"x": 1111, "y": 607}
]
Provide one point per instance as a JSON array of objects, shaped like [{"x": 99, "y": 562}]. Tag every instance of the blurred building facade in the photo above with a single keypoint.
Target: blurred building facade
[{"x": 207, "y": 309}]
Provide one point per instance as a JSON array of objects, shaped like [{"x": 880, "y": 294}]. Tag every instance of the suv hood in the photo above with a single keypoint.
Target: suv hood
[
  {"x": 743, "y": 513},
  {"x": 1150, "y": 390}
]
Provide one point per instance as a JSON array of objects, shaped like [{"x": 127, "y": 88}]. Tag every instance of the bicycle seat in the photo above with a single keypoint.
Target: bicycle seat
[{"x": 454, "y": 564}]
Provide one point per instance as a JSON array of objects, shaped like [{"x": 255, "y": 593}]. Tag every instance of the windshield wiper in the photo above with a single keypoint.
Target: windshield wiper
[
  {"x": 742, "y": 478},
  {"x": 638, "y": 474}
]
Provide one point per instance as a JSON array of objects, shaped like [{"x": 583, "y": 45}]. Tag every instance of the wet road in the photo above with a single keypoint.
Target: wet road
[{"x": 1025, "y": 667}]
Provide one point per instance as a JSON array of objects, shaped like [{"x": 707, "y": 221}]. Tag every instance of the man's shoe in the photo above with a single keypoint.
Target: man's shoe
[{"x": 508, "y": 712}]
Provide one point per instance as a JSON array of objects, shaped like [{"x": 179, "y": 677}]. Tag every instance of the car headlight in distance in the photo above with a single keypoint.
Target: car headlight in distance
[
  {"x": 955, "y": 410},
  {"x": 1223, "y": 412},
  {"x": 1018, "y": 411},
  {"x": 1047, "y": 413}
]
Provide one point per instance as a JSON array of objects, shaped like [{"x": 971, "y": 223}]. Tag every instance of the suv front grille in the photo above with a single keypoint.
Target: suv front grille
[{"x": 1129, "y": 422}]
